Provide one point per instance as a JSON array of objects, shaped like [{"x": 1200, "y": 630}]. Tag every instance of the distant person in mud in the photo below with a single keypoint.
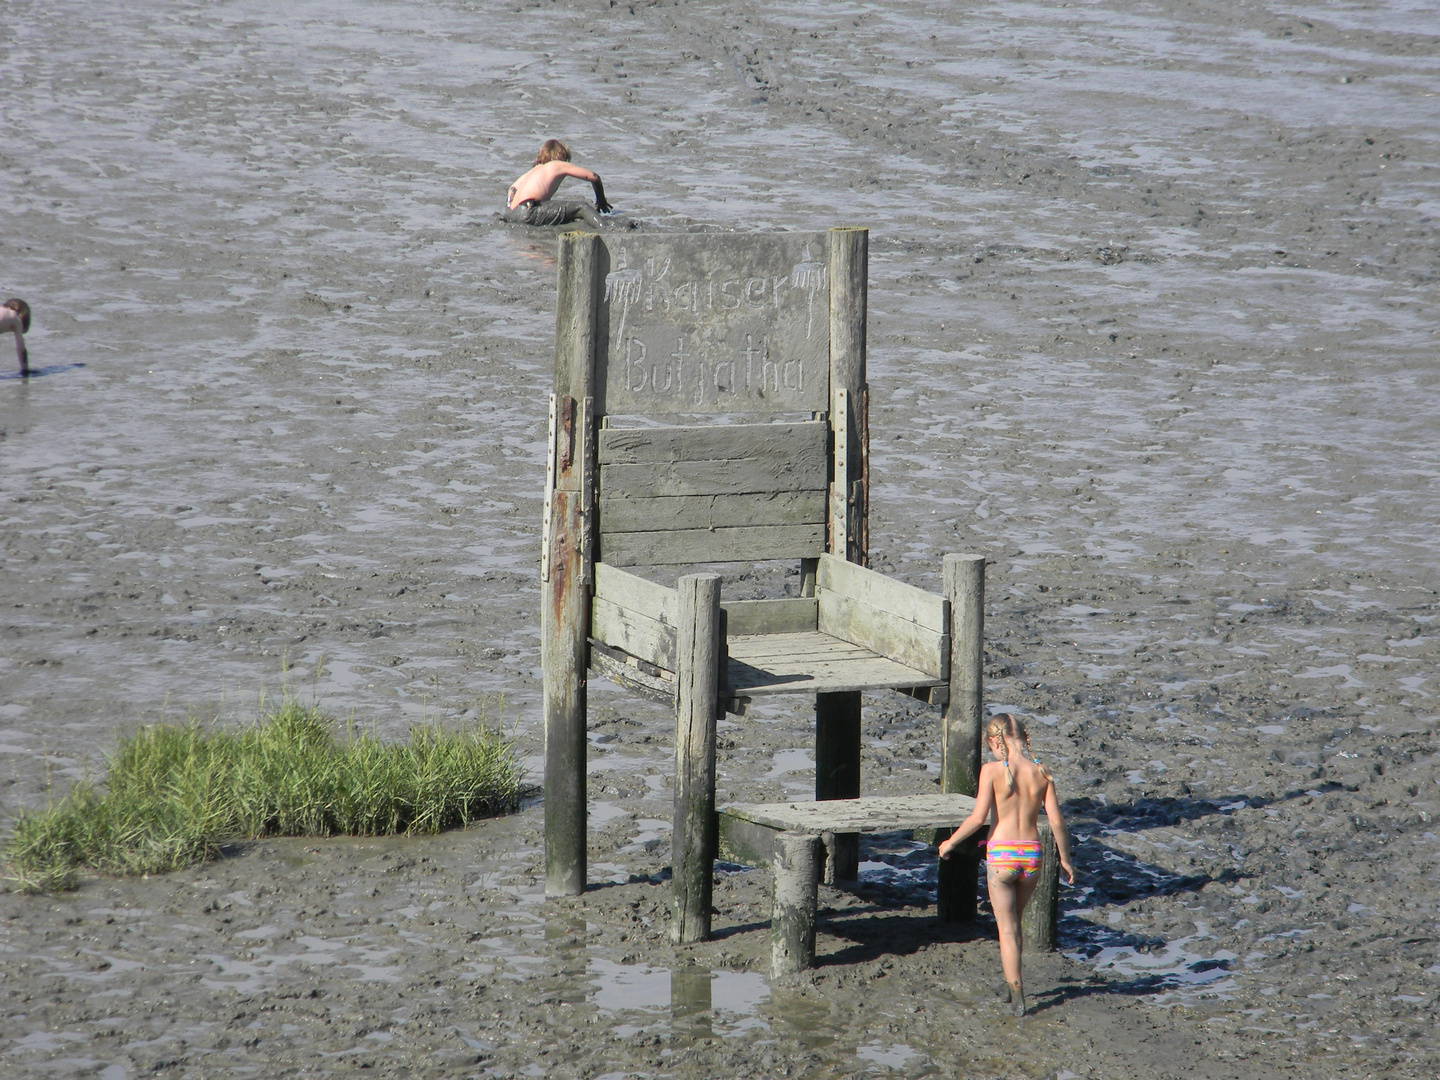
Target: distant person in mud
[
  {"x": 15, "y": 317},
  {"x": 1014, "y": 787},
  {"x": 529, "y": 202}
]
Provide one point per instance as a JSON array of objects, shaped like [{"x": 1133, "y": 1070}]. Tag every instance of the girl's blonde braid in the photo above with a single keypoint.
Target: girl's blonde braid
[
  {"x": 1025, "y": 735},
  {"x": 1000, "y": 726}
]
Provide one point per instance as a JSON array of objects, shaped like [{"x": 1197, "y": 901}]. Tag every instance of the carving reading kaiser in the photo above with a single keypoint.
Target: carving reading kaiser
[{"x": 720, "y": 324}]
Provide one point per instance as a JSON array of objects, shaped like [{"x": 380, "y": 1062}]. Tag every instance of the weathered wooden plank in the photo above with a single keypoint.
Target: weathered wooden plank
[
  {"x": 701, "y": 652},
  {"x": 931, "y": 695},
  {"x": 792, "y": 615},
  {"x": 801, "y": 647},
  {"x": 807, "y": 576},
  {"x": 638, "y": 634},
  {"x": 776, "y": 675},
  {"x": 806, "y": 471},
  {"x": 714, "y": 442},
  {"x": 634, "y": 592},
  {"x": 585, "y": 448},
  {"x": 957, "y": 897},
  {"x": 872, "y": 814},
  {"x": 899, "y": 599},
  {"x": 745, "y": 842},
  {"x": 711, "y": 545},
  {"x": 881, "y": 632},
  {"x": 712, "y": 511},
  {"x": 716, "y": 323},
  {"x": 618, "y": 670}
]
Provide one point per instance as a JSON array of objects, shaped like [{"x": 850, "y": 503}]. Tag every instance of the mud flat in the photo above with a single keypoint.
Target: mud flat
[{"x": 1153, "y": 327}]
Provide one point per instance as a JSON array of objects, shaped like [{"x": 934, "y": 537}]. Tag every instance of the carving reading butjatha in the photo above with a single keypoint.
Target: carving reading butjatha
[{"x": 716, "y": 323}]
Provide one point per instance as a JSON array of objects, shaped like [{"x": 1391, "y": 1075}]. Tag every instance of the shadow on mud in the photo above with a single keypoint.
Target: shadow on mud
[
  {"x": 39, "y": 372},
  {"x": 874, "y": 936},
  {"x": 1110, "y": 876},
  {"x": 902, "y": 878}
]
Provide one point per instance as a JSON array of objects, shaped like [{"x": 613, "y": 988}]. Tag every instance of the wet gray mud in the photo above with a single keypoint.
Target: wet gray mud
[{"x": 1152, "y": 326}]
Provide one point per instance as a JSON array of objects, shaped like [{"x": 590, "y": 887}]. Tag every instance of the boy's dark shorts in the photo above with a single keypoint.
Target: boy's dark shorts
[{"x": 548, "y": 213}]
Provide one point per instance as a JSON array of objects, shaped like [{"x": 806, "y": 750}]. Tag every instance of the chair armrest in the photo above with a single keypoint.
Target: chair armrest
[
  {"x": 636, "y": 615},
  {"x": 888, "y": 617}
]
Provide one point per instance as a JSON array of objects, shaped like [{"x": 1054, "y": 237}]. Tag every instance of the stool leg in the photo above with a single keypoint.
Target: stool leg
[
  {"x": 959, "y": 892},
  {"x": 792, "y": 912},
  {"x": 1039, "y": 924}
]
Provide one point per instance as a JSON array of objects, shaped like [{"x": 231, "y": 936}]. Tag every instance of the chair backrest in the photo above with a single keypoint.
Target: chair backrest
[
  {"x": 723, "y": 387},
  {"x": 715, "y": 324},
  {"x": 712, "y": 494}
]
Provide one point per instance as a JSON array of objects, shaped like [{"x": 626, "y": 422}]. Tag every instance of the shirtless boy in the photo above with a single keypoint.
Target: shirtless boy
[
  {"x": 15, "y": 316},
  {"x": 529, "y": 201}
]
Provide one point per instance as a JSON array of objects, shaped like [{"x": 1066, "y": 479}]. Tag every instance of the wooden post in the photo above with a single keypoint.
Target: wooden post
[
  {"x": 837, "y": 772},
  {"x": 566, "y": 566},
  {"x": 1039, "y": 926},
  {"x": 962, "y": 720},
  {"x": 699, "y": 651},
  {"x": 849, "y": 293},
  {"x": 837, "y": 716},
  {"x": 808, "y": 570},
  {"x": 792, "y": 911}
]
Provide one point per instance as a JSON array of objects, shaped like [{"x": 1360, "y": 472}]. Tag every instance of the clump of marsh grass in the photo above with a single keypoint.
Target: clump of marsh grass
[{"x": 175, "y": 793}]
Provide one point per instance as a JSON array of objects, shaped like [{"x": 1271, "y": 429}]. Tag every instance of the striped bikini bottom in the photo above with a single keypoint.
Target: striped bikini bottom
[{"x": 1022, "y": 856}]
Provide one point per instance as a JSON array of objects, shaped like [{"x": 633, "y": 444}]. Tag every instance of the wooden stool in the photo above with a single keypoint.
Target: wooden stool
[{"x": 789, "y": 839}]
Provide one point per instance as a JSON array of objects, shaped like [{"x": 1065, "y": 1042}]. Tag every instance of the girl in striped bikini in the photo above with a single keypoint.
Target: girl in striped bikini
[{"x": 1014, "y": 787}]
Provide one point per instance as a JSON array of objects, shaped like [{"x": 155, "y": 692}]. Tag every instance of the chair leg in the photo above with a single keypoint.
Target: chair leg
[
  {"x": 699, "y": 653},
  {"x": 961, "y": 720},
  {"x": 565, "y": 622},
  {"x": 837, "y": 772}
]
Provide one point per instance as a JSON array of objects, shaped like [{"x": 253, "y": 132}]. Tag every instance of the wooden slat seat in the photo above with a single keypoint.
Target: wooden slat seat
[
  {"x": 826, "y": 644},
  {"x": 812, "y": 663}
]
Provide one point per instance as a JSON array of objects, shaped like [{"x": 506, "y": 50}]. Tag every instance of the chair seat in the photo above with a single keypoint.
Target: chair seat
[{"x": 811, "y": 663}]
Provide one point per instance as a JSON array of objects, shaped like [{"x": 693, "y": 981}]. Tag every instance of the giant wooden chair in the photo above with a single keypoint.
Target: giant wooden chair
[{"x": 710, "y": 406}]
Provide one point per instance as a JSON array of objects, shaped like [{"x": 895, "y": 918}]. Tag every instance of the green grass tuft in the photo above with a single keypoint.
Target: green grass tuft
[{"x": 176, "y": 793}]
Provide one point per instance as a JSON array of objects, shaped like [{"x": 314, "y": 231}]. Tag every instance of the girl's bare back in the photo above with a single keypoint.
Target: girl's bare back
[{"x": 1017, "y": 811}]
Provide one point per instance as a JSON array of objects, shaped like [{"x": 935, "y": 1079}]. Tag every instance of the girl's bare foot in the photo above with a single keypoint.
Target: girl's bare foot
[{"x": 1017, "y": 995}]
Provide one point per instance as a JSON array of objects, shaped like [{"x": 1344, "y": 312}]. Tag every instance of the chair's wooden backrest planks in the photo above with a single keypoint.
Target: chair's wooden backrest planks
[
  {"x": 738, "y": 328},
  {"x": 713, "y": 494}
]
